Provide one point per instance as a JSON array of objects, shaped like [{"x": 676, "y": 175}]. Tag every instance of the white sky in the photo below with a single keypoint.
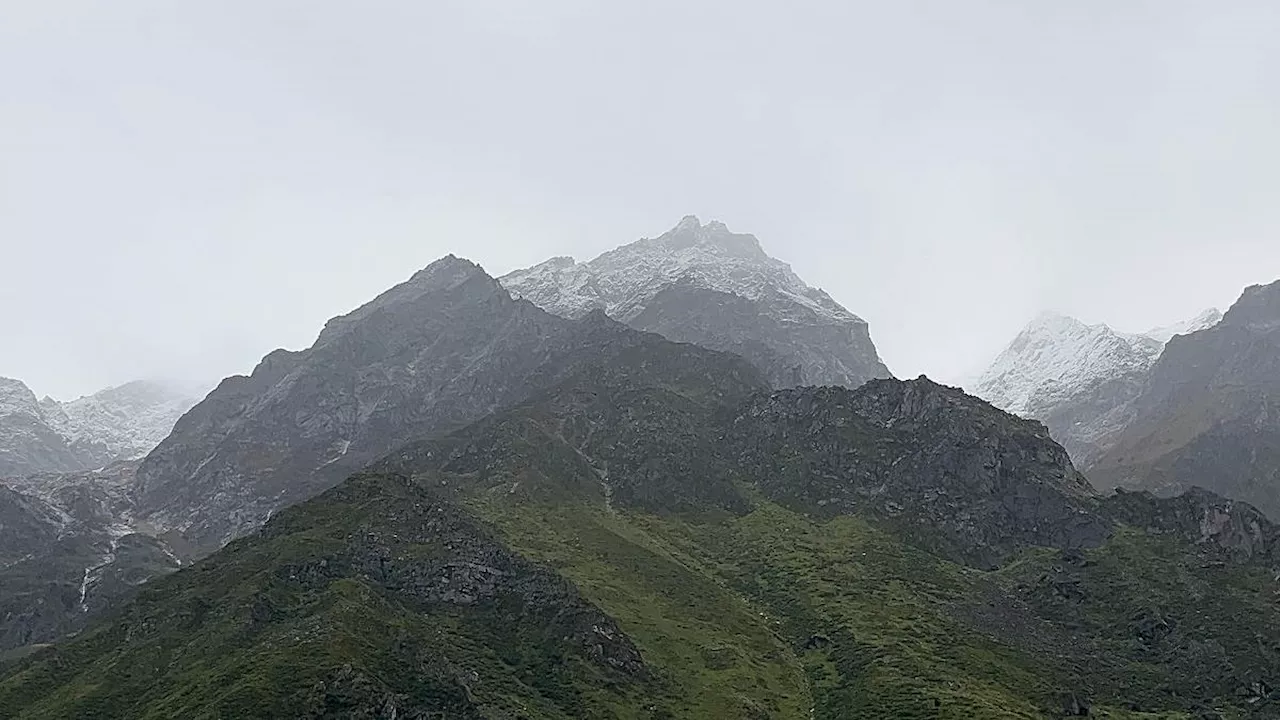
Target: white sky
[{"x": 186, "y": 186}]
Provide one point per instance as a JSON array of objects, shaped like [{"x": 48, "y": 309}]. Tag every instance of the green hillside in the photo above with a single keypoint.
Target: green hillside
[{"x": 628, "y": 545}]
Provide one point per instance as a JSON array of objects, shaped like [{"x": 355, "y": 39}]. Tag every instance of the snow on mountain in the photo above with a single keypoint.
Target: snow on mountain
[
  {"x": 1054, "y": 356},
  {"x": 119, "y": 423},
  {"x": 621, "y": 281},
  {"x": 125, "y": 422},
  {"x": 16, "y": 399},
  {"x": 1076, "y": 378},
  {"x": 798, "y": 333},
  {"x": 27, "y": 442}
]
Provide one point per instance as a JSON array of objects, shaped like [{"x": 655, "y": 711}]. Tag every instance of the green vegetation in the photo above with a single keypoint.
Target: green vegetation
[
  {"x": 879, "y": 629},
  {"x": 613, "y": 552},
  {"x": 767, "y": 615},
  {"x": 290, "y": 624}
]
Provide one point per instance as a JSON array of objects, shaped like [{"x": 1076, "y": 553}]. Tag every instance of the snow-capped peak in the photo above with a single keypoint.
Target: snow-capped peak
[
  {"x": 128, "y": 420},
  {"x": 118, "y": 423},
  {"x": 709, "y": 256},
  {"x": 1057, "y": 356}
]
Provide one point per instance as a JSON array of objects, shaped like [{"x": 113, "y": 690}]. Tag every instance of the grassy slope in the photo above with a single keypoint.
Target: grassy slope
[
  {"x": 842, "y": 616},
  {"x": 768, "y": 615},
  {"x": 235, "y": 637}
]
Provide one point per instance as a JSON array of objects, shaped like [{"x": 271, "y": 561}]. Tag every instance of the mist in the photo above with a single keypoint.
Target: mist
[{"x": 186, "y": 187}]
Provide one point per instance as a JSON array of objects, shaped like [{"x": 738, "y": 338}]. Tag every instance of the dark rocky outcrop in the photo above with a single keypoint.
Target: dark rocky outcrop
[
  {"x": 1201, "y": 518},
  {"x": 948, "y": 471}
]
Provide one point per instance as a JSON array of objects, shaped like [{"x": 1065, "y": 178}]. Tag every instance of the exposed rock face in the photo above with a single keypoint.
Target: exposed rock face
[
  {"x": 68, "y": 551},
  {"x": 638, "y": 430},
  {"x": 1209, "y": 415},
  {"x": 121, "y": 423},
  {"x": 712, "y": 287},
  {"x": 27, "y": 526},
  {"x": 1203, "y": 519},
  {"x": 441, "y": 350},
  {"x": 429, "y": 356},
  {"x": 946, "y": 470},
  {"x": 1079, "y": 380}
]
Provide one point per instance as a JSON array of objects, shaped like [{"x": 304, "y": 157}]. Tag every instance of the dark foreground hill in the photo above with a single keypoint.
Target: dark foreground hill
[{"x": 656, "y": 537}]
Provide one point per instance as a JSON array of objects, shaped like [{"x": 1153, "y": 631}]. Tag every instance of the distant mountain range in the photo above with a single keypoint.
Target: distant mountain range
[{"x": 483, "y": 498}]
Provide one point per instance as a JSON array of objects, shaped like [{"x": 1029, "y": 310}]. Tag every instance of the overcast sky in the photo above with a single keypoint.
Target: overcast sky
[{"x": 186, "y": 186}]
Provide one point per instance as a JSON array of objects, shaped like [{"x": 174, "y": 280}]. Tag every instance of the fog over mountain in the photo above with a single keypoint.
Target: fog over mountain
[{"x": 187, "y": 186}]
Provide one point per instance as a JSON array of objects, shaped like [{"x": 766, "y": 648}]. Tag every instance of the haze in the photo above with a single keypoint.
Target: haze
[{"x": 186, "y": 186}]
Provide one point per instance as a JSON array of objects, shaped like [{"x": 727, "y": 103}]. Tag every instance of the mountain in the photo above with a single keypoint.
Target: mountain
[
  {"x": 1208, "y": 415},
  {"x": 120, "y": 423},
  {"x": 656, "y": 534},
  {"x": 431, "y": 355},
  {"x": 1078, "y": 379},
  {"x": 27, "y": 441},
  {"x": 706, "y": 285}
]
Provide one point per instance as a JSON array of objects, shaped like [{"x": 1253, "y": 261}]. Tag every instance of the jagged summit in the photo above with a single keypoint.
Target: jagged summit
[
  {"x": 118, "y": 423},
  {"x": 16, "y": 397},
  {"x": 622, "y": 280},
  {"x": 1055, "y": 356},
  {"x": 704, "y": 284},
  {"x": 1078, "y": 378}
]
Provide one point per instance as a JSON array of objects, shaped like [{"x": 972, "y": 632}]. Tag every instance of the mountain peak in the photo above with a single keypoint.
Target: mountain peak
[
  {"x": 1257, "y": 309},
  {"x": 704, "y": 284},
  {"x": 622, "y": 280},
  {"x": 444, "y": 275},
  {"x": 714, "y": 236},
  {"x": 17, "y": 398},
  {"x": 1056, "y": 355},
  {"x": 687, "y": 223}
]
